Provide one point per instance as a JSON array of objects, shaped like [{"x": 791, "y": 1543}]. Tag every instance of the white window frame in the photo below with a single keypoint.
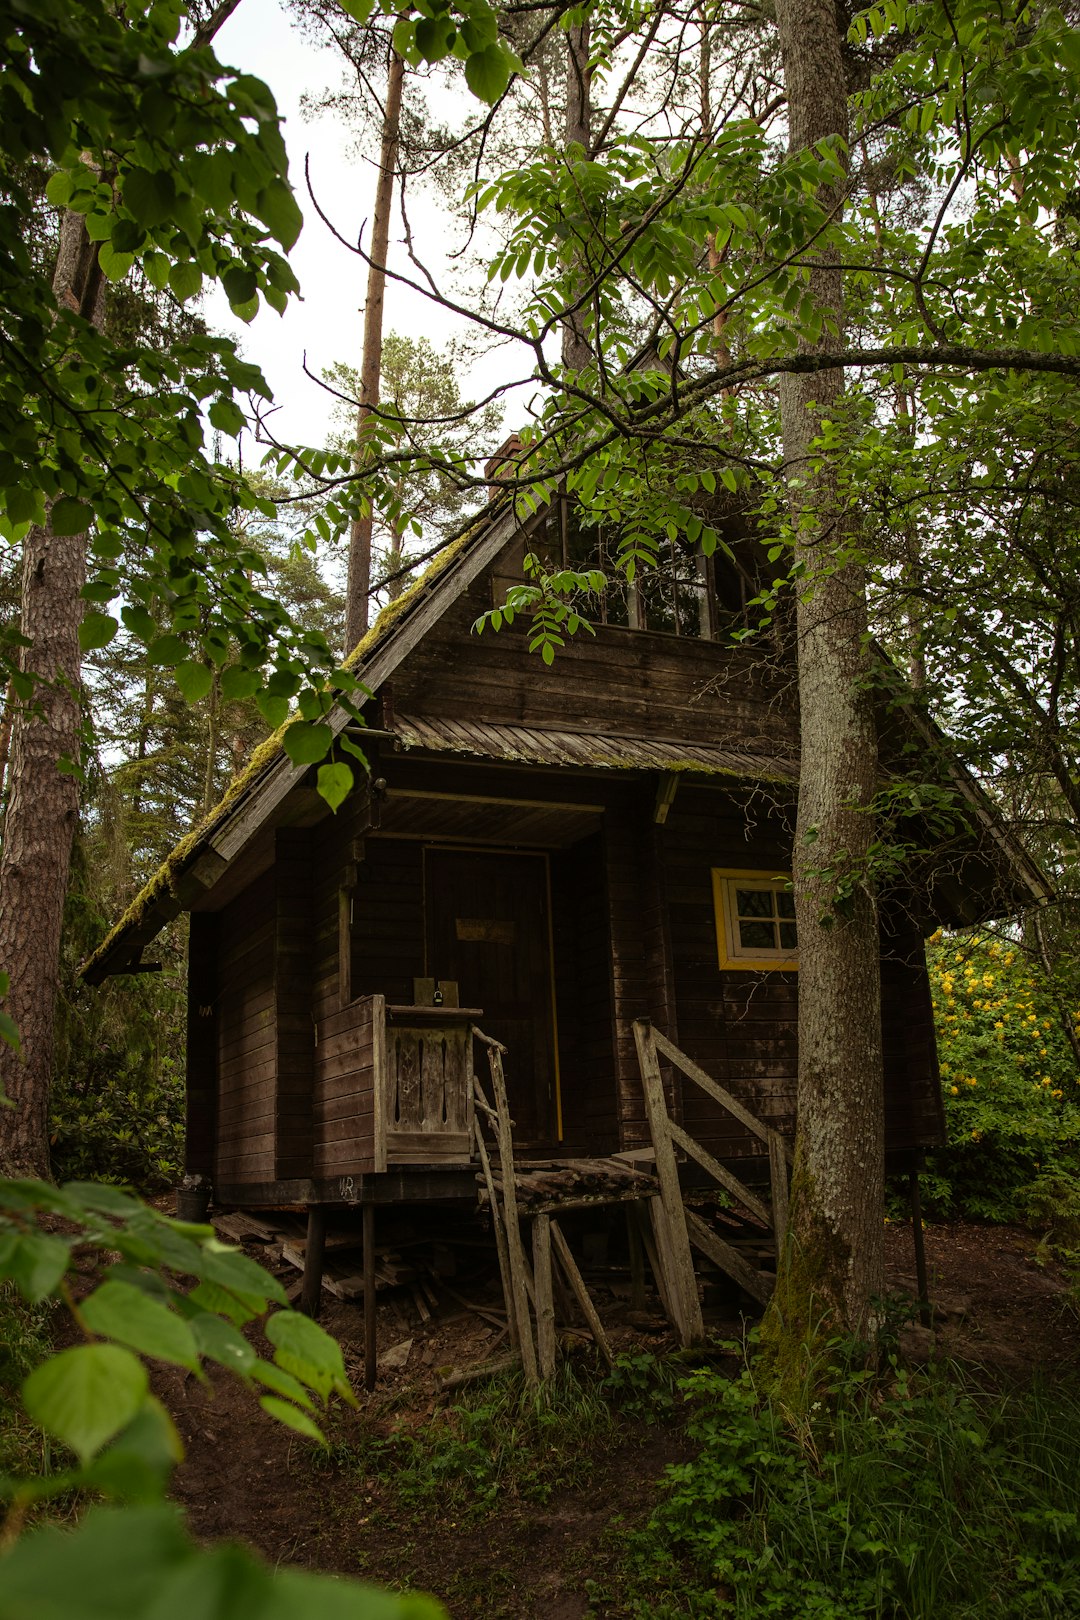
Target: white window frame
[{"x": 733, "y": 954}]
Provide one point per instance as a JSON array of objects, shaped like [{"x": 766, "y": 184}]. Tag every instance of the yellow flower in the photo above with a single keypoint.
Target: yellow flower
[
  {"x": 956, "y": 1090},
  {"x": 972, "y": 1081},
  {"x": 998, "y": 1024},
  {"x": 1057, "y": 1094}
]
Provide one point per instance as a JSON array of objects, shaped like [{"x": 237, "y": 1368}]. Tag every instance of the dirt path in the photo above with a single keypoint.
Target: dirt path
[{"x": 245, "y": 1477}]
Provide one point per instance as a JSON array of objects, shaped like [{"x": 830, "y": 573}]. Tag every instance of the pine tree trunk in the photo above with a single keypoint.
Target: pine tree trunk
[
  {"x": 359, "y": 580},
  {"x": 576, "y": 352},
  {"x": 832, "y": 1268},
  {"x": 43, "y": 803}
]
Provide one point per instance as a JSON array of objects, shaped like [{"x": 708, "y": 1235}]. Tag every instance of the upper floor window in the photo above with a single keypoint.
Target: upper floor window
[
  {"x": 755, "y": 919},
  {"x": 684, "y": 593}
]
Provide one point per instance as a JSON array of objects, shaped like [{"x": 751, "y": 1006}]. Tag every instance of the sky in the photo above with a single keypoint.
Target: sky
[{"x": 326, "y": 323}]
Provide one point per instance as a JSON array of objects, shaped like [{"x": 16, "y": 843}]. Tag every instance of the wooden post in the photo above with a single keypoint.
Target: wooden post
[
  {"x": 778, "y": 1177},
  {"x": 672, "y": 1241},
  {"x": 920, "y": 1248},
  {"x": 545, "y": 1303},
  {"x": 371, "y": 1347},
  {"x": 581, "y": 1293},
  {"x": 637, "y": 1259},
  {"x": 497, "y": 1223},
  {"x": 314, "y": 1253},
  {"x": 515, "y": 1252}
]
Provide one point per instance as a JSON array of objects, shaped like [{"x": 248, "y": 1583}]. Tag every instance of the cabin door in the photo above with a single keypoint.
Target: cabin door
[{"x": 487, "y": 927}]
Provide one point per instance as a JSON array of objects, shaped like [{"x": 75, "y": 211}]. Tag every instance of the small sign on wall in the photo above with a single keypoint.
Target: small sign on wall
[{"x": 488, "y": 930}]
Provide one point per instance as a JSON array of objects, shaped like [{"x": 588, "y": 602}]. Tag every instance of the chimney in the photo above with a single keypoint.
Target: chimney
[{"x": 503, "y": 464}]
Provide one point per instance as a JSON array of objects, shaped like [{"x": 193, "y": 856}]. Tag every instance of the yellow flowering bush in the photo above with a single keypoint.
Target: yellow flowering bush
[{"x": 1010, "y": 1082}]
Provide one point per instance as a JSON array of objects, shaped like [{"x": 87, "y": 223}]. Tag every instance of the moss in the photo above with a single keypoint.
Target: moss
[
  {"x": 805, "y": 1313},
  {"x": 164, "y": 879}
]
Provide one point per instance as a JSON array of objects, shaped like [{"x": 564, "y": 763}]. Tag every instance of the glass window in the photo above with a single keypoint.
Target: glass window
[{"x": 755, "y": 919}]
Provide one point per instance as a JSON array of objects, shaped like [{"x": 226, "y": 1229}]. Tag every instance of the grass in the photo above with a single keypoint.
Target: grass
[
  {"x": 24, "y": 1343},
  {"x": 901, "y": 1497}
]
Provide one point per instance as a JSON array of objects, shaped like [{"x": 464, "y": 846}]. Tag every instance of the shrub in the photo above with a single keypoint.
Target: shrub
[{"x": 1012, "y": 1091}]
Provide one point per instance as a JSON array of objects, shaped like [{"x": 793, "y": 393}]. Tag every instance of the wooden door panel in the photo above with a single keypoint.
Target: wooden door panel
[{"x": 487, "y": 928}]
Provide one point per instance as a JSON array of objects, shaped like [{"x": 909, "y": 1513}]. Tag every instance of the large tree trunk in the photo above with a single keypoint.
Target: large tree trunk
[
  {"x": 832, "y": 1268},
  {"x": 43, "y": 804},
  {"x": 359, "y": 583}
]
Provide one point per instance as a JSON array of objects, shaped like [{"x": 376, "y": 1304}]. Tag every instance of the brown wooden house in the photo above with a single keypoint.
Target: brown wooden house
[{"x": 546, "y": 853}]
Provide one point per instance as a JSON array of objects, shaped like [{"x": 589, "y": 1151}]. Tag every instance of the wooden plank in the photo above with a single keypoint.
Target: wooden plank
[
  {"x": 580, "y": 1292},
  {"x": 378, "y": 1053},
  {"x": 423, "y": 1145},
  {"x": 725, "y": 1177},
  {"x": 694, "y": 1072},
  {"x": 671, "y": 1230},
  {"x": 501, "y": 1249},
  {"x": 756, "y": 1283},
  {"x": 518, "y": 1265},
  {"x": 545, "y": 1302},
  {"x": 778, "y": 1176}
]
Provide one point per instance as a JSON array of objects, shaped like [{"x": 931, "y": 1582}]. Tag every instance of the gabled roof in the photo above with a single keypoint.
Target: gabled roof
[
  {"x": 253, "y": 796},
  {"x": 270, "y": 775}
]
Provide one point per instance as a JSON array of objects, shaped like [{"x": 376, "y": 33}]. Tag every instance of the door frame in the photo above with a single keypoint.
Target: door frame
[{"x": 447, "y": 846}]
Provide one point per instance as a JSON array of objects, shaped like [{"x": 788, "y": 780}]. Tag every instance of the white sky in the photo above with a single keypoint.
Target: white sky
[{"x": 326, "y": 323}]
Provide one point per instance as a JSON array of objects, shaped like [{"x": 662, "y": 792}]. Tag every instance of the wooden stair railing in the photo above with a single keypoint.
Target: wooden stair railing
[{"x": 677, "y": 1227}]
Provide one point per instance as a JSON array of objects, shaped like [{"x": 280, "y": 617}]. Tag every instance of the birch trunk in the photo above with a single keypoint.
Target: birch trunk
[
  {"x": 832, "y": 1269},
  {"x": 359, "y": 581}
]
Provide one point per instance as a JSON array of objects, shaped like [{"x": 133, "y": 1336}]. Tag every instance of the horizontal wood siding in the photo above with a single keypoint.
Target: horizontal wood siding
[
  {"x": 247, "y": 1049},
  {"x": 621, "y": 681},
  {"x": 201, "y": 1046},
  {"x": 740, "y": 1026},
  {"x": 295, "y": 1026},
  {"x": 343, "y": 1111},
  {"x": 583, "y": 1002},
  {"x": 388, "y": 920}
]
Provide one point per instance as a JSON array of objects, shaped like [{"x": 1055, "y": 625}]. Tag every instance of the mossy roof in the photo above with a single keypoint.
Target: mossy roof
[{"x": 160, "y": 888}]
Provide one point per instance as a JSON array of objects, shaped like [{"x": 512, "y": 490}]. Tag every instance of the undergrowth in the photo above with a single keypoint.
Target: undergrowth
[
  {"x": 24, "y": 1343},
  {"x": 500, "y": 1440},
  {"x": 913, "y": 1496}
]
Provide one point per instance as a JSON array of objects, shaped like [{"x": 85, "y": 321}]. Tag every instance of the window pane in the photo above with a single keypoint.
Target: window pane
[
  {"x": 785, "y": 903},
  {"x": 789, "y": 940},
  {"x": 757, "y": 936},
  {"x": 754, "y": 902}
]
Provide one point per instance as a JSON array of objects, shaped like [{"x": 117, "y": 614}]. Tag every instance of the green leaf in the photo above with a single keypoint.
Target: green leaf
[
  {"x": 96, "y": 630},
  {"x": 185, "y": 279},
  {"x": 116, "y": 1310},
  {"x": 115, "y": 1563},
  {"x": 293, "y": 1417},
  {"x": 283, "y": 1383},
  {"x": 139, "y": 622},
  {"x": 237, "y": 682},
  {"x": 86, "y": 1396},
  {"x": 335, "y": 783},
  {"x": 221, "y": 1342},
  {"x": 36, "y": 1264},
  {"x": 69, "y": 516},
  {"x": 232, "y": 1269},
  {"x": 137, "y": 1465},
  {"x": 167, "y": 650},
  {"x": 304, "y": 1349},
  {"x": 59, "y": 190},
  {"x": 278, "y": 209},
  {"x": 227, "y": 416},
  {"x": 149, "y": 195},
  {"x": 273, "y": 709},
  {"x": 487, "y": 72},
  {"x": 240, "y": 284},
  {"x": 193, "y": 679},
  {"x": 306, "y": 743},
  {"x": 114, "y": 265}
]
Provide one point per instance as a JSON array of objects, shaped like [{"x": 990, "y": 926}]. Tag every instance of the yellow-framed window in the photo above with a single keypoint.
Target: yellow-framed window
[{"x": 755, "y": 919}]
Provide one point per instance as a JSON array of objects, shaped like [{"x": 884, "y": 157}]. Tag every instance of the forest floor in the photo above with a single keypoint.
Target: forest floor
[{"x": 378, "y": 1507}]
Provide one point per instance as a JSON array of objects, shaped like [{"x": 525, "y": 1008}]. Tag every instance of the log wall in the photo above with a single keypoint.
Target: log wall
[{"x": 246, "y": 1047}]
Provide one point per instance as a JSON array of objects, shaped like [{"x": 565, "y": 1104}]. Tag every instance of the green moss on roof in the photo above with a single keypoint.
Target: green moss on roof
[{"x": 164, "y": 879}]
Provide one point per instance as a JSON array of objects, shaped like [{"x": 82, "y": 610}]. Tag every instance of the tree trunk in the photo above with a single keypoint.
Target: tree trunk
[
  {"x": 576, "y": 352},
  {"x": 833, "y": 1264},
  {"x": 43, "y": 804},
  {"x": 359, "y": 583}
]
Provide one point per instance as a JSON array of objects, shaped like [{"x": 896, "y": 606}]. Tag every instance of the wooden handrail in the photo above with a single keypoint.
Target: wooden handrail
[{"x": 696, "y": 1073}]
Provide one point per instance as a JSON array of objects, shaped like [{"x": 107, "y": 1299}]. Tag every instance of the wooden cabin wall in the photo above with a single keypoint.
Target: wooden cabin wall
[
  {"x": 618, "y": 681},
  {"x": 388, "y": 920},
  {"x": 294, "y": 1024},
  {"x": 247, "y": 1054},
  {"x": 582, "y": 941},
  {"x": 641, "y": 977},
  {"x": 201, "y": 1050},
  {"x": 341, "y": 1098},
  {"x": 741, "y": 1027}
]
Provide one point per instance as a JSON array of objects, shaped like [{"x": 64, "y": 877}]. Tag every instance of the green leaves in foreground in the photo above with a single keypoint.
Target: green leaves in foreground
[
  {"x": 95, "y": 1397},
  {"x": 140, "y": 1564}
]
